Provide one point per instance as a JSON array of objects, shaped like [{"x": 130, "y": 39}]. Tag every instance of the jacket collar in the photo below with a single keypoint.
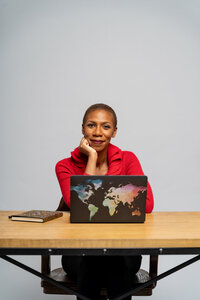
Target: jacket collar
[{"x": 114, "y": 159}]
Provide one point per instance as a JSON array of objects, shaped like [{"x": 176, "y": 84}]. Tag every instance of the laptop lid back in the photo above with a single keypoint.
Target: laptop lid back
[{"x": 108, "y": 199}]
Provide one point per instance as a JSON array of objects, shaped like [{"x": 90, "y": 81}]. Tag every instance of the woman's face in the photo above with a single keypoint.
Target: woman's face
[{"x": 99, "y": 128}]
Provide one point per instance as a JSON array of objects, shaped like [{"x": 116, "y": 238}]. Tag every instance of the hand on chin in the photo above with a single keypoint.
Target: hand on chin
[{"x": 86, "y": 148}]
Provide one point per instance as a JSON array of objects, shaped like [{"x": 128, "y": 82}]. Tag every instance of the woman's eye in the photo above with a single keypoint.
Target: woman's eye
[{"x": 106, "y": 126}]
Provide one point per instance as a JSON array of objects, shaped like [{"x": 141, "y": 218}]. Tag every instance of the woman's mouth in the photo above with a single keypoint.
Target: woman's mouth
[{"x": 97, "y": 142}]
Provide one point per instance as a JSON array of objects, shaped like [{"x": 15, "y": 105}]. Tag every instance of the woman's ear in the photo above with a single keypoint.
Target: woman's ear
[
  {"x": 114, "y": 132},
  {"x": 83, "y": 130}
]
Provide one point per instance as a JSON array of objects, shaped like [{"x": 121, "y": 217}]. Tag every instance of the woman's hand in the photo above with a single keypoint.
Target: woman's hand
[{"x": 85, "y": 148}]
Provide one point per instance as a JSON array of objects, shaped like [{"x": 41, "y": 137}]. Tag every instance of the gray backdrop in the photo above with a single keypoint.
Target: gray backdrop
[{"x": 57, "y": 58}]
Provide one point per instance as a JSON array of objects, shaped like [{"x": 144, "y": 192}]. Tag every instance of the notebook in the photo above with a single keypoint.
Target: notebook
[
  {"x": 39, "y": 216},
  {"x": 108, "y": 199}
]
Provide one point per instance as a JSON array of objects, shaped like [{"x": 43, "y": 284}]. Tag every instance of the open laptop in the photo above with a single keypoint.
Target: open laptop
[{"x": 108, "y": 199}]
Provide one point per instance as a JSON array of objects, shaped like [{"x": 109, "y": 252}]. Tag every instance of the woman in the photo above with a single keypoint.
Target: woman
[{"x": 97, "y": 156}]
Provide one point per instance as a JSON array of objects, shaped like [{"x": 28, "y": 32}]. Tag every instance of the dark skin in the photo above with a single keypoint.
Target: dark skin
[{"x": 98, "y": 130}]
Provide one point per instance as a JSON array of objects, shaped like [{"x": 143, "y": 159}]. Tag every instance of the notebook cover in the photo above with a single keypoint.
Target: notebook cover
[{"x": 36, "y": 216}]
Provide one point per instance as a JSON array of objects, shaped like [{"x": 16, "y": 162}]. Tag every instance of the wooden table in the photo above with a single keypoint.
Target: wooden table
[
  {"x": 160, "y": 230},
  {"x": 162, "y": 233}
]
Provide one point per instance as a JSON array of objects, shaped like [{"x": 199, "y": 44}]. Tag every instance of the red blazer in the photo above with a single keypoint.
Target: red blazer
[{"x": 119, "y": 163}]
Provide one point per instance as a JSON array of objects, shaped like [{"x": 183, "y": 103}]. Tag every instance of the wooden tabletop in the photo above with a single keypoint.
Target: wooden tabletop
[{"x": 161, "y": 229}]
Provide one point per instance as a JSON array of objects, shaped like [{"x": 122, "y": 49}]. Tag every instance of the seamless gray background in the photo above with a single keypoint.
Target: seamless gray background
[{"x": 59, "y": 57}]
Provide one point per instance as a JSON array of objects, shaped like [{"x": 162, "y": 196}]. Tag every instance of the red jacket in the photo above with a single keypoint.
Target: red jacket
[{"x": 119, "y": 163}]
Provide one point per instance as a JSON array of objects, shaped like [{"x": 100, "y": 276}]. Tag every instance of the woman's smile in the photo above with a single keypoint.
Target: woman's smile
[{"x": 97, "y": 142}]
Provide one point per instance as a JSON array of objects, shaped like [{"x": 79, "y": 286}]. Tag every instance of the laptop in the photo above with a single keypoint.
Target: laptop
[{"x": 108, "y": 199}]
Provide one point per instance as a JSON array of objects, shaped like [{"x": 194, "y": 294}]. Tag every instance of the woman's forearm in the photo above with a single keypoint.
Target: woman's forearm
[{"x": 91, "y": 164}]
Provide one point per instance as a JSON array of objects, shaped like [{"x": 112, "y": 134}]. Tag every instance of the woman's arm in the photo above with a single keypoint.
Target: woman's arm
[
  {"x": 64, "y": 169},
  {"x": 85, "y": 148},
  {"x": 91, "y": 164},
  {"x": 134, "y": 168},
  {"x": 63, "y": 173}
]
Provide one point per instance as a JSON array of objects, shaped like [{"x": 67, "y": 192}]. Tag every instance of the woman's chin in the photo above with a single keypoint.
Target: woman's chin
[{"x": 99, "y": 148}]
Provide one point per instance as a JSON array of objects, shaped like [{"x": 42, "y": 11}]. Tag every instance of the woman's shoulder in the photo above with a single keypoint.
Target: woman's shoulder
[
  {"x": 129, "y": 155},
  {"x": 131, "y": 163},
  {"x": 63, "y": 163}
]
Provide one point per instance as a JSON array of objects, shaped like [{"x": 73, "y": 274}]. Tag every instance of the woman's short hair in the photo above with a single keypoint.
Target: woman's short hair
[{"x": 100, "y": 106}]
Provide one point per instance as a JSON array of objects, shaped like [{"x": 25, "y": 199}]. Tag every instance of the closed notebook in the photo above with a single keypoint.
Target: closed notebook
[{"x": 39, "y": 216}]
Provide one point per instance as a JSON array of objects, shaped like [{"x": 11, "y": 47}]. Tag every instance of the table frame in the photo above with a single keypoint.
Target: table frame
[{"x": 100, "y": 252}]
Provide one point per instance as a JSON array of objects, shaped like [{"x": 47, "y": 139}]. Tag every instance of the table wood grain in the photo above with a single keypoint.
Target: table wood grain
[{"x": 161, "y": 229}]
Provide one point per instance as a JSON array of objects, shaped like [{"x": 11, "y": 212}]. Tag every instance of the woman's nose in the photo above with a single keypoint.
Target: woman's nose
[{"x": 97, "y": 131}]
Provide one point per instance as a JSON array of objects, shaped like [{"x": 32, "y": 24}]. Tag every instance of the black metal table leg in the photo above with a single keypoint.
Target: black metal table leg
[
  {"x": 45, "y": 277},
  {"x": 149, "y": 282}
]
